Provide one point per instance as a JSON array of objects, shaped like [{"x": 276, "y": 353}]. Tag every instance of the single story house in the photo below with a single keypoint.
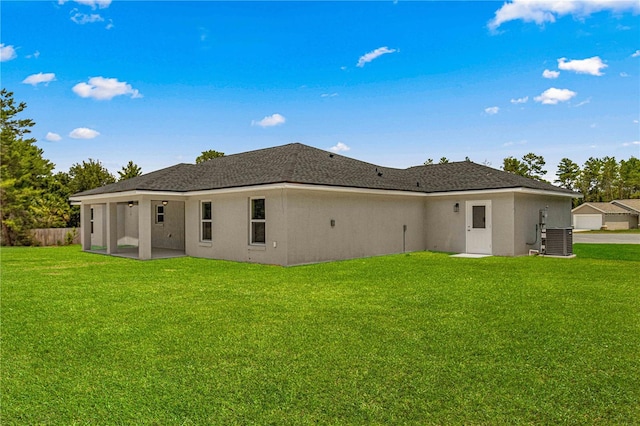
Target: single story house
[
  {"x": 618, "y": 214},
  {"x": 294, "y": 204}
]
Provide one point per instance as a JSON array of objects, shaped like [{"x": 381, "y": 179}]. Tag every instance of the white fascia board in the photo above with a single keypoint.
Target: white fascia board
[
  {"x": 135, "y": 195},
  {"x": 305, "y": 187},
  {"x": 503, "y": 191},
  {"x": 128, "y": 195}
]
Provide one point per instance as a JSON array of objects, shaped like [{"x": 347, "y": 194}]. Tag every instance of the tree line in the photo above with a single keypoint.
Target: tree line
[
  {"x": 599, "y": 179},
  {"x": 32, "y": 196}
]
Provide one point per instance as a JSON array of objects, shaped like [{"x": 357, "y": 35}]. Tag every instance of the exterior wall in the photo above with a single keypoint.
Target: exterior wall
[
  {"x": 99, "y": 235},
  {"x": 363, "y": 225},
  {"x": 446, "y": 230},
  {"x": 620, "y": 221},
  {"x": 127, "y": 225},
  {"x": 298, "y": 226},
  {"x": 170, "y": 233},
  {"x": 230, "y": 228},
  {"x": 526, "y": 214},
  {"x": 306, "y": 225}
]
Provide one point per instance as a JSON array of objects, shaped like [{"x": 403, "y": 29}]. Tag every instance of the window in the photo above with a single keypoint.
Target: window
[
  {"x": 159, "y": 214},
  {"x": 479, "y": 217},
  {"x": 258, "y": 221},
  {"x": 205, "y": 221},
  {"x": 91, "y": 221}
]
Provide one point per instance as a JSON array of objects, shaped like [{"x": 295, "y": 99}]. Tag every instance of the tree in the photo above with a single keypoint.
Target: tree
[
  {"x": 208, "y": 155},
  {"x": 534, "y": 166},
  {"x": 428, "y": 162},
  {"x": 23, "y": 173},
  {"x": 589, "y": 179},
  {"x": 513, "y": 165},
  {"x": 443, "y": 160},
  {"x": 88, "y": 175},
  {"x": 630, "y": 178},
  {"x": 129, "y": 171},
  {"x": 568, "y": 174},
  {"x": 530, "y": 166},
  {"x": 609, "y": 178}
]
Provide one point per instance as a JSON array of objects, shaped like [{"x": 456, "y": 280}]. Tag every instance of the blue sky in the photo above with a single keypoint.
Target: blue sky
[{"x": 391, "y": 83}]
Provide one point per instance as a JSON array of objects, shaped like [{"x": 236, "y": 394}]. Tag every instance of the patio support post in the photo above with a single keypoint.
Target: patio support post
[
  {"x": 112, "y": 227},
  {"x": 144, "y": 229},
  {"x": 85, "y": 226}
]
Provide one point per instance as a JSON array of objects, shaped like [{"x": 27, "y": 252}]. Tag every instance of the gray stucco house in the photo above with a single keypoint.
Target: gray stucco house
[{"x": 294, "y": 204}]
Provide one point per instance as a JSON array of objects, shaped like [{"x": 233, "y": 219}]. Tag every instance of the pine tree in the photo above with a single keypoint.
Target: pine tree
[{"x": 23, "y": 173}]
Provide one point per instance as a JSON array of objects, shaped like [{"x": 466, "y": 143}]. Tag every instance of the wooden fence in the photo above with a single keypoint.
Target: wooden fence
[{"x": 55, "y": 236}]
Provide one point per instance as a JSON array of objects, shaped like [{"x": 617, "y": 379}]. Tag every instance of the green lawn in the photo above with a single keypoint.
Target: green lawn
[{"x": 418, "y": 339}]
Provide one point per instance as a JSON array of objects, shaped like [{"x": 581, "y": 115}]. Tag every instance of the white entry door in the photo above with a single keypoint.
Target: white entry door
[{"x": 479, "y": 227}]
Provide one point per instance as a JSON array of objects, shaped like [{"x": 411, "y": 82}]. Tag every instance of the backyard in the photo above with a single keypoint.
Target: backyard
[{"x": 418, "y": 338}]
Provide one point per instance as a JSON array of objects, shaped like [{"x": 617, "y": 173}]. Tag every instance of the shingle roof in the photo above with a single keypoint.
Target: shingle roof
[
  {"x": 298, "y": 163},
  {"x": 633, "y": 204},
  {"x": 605, "y": 207}
]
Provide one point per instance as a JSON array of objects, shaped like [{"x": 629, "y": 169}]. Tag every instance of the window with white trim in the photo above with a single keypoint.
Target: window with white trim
[
  {"x": 206, "y": 222},
  {"x": 160, "y": 213},
  {"x": 257, "y": 221}
]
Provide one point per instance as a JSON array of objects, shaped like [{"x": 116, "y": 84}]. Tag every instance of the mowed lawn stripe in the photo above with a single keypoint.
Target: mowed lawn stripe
[{"x": 420, "y": 338}]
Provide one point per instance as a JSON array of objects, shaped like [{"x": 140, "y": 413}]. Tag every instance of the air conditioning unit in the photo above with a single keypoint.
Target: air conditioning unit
[{"x": 558, "y": 242}]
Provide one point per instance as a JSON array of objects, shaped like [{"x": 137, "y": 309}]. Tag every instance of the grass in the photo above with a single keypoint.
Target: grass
[{"x": 420, "y": 338}]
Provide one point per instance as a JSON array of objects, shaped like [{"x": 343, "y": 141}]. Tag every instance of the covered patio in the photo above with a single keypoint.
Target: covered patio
[{"x": 137, "y": 228}]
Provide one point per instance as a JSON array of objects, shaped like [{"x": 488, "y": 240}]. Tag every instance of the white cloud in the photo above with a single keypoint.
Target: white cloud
[
  {"x": 492, "y": 110},
  {"x": 542, "y": 11},
  {"x": 634, "y": 143},
  {"x": 328, "y": 95},
  {"x": 83, "y": 133},
  {"x": 340, "y": 147},
  {"x": 269, "y": 121},
  {"x": 368, "y": 57},
  {"x": 624, "y": 75},
  {"x": 110, "y": 24},
  {"x": 53, "y": 137},
  {"x": 35, "y": 79},
  {"x": 512, "y": 143},
  {"x": 105, "y": 88},
  {"x": 7, "y": 53},
  {"x": 102, "y": 4},
  {"x": 35, "y": 55},
  {"x": 635, "y": 54},
  {"x": 520, "y": 100},
  {"x": 552, "y": 96},
  {"x": 83, "y": 18},
  {"x": 583, "y": 103},
  {"x": 591, "y": 66},
  {"x": 550, "y": 74}
]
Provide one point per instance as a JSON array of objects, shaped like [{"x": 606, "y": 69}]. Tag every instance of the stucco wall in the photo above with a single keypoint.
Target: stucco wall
[
  {"x": 170, "y": 233},
  {"x": 98, "y": 236},
  {"x": 363, "y": 225},
  {"x": 298, "y": 226},
  {"x": 446, "y": 230},
  {"x": 230, "y": 228},
  {"x": 127, "y": 225},
  {"x": 526, "y": 213}
]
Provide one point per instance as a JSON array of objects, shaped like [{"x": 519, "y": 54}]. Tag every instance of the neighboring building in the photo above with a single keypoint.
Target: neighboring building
[
  {"x": 618, "y": 214},
  {"x": 294, "y": 204}
]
